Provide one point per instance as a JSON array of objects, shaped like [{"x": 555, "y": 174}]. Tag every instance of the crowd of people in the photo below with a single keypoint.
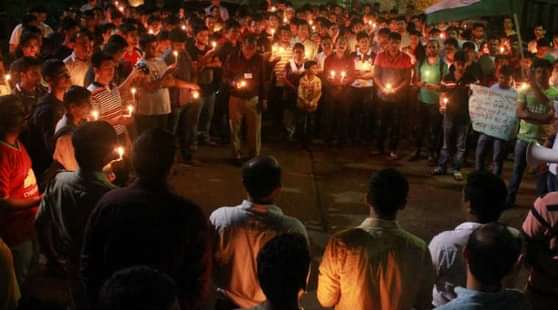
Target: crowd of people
[{"x": 94, "y": 115}]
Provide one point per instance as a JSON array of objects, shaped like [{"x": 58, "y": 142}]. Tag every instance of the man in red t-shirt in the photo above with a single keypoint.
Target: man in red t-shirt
[
  {"x": 19, "y": 194},
  {"x": 392, "y": 77}
]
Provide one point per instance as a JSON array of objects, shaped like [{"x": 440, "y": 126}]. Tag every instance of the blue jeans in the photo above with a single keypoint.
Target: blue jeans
[
  {"x": 519, "y": 165},
  {"x": 455, "y": 134},
  {"x": 498, "y": 153},
  {"x": 206, "y": 117}
]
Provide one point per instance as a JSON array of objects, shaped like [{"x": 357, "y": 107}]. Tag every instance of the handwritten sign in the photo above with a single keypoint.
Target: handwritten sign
[{"x": 493, "y": 112}]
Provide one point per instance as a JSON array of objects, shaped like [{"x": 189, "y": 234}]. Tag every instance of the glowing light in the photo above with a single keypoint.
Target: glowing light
[
  {"x": 502, "y": 50},
  {"x": 273, "y": 9},
  {"x": 272, "y": 32},
  {"x": 7, "y": 77},
  {"x": 195, "y": 94},
  {"x": 133, "y": 91},
  {"x": 130, "y": 109},
  {"x": 314, "y": 28},
  {"x": 120, "y": 151},
  {"x": 332, "y": 74},
  {"x": 310, "y": 22},
  {"x": 241, "y": 84},
  {"x": 175, "y": 53},
  {"x": 343, "y": 75},
  {"x": 214, "y": 44},
  {"x": 121, "y": 8},
  {"x": 95, "y": 115},
  {"x": 389, "y": 88},
  {"x": 183, "y": 27},
  {"x": 150, "y": 31},
  {"x": 442, "y": 36},
  {"x": 116, "y": 3}
]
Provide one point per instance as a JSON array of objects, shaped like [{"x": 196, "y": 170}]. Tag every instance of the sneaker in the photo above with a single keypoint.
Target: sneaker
[
  {"x": 458, "y": 176},
  {"x": 393, "y": 156},
  {"x": 439, "y": 171}
]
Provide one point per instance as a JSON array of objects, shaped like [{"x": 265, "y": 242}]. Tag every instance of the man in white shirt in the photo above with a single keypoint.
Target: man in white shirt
[
  {"x": 41, "y": 15},
  {"x": 153, "y": 99},
  {"x": 79, "y": 61},
  {"x": 484, "y": 200},
  {"x": 244, "y": 229}
]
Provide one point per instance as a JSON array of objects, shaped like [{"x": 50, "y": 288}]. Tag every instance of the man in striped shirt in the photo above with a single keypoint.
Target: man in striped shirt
[{"x": 105, "y": 96}]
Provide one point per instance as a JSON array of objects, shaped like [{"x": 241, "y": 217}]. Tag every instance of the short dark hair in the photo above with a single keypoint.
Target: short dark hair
[
  {"x": 154, "y": 153},
  {"x": 468, "y": 45},
  {"x": 147, "y": 39},
  {"x": 24, "y": 64},
  {"x": 12, "y": 114},
  {"x": 52, "y": 68},
  {"x": 541, "y": 63},
  {"x": 487, "y": 195},
  {"x": 138, "y": 287},
  {"x": 117, "y": 41},
  {"x": 491, "y": 253},
  {"x": 309, "y": 64},
  {"x": 93, "y": 143},
  {"x": 298, "y": 45},
  {"x": 362, "y": 35},
  {"x": 506, "y": 70},
  {"x": 76, "y": 95},
  {"x": 452, "y": 41},
  {"x": 461, "y": 56},
  {"x": 99, "y": 57},
  {"x": 387, "y": 191},
  {"x": 261, "y": 176},
  {"x": 283, "y": 265},
  {"x": 396, "y": 36}
]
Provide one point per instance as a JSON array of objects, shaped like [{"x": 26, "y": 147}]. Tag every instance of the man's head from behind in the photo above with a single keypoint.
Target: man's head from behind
[
  {"x": 140, "y": 288},
  {"x": 387, "y": 193},
  {"x": 94, "y": 144},
  {"x": 12, "y": 115},
  {"x": 283, "y": 265},
  {"x": 485, "y": 196},
  {"x": 153, "y": 154},
  {"x": 261, "y": 177},
  {"x": 491, "y": 253}
]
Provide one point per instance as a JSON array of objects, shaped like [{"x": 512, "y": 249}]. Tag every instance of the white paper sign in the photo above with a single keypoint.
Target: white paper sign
[{"x": 493, "y": 112}]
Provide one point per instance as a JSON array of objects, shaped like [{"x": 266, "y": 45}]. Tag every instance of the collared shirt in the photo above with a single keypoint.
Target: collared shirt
[
  {"x": 468, "y": 299},
  {"x": 108, "y": 102},
  {"x": 446, "y": 250},
  {"x": 241, "y": 232},
  {"x": 77, "y": 68},
  {"x": 156, "y": 102},
  {"x": 364, "y": 62},
  {"x": 309, "y": 93},
  {"x": 66, "y": 205},
  {"x": 223, "y": 12},
  {"x": 377, "y": 265},
  {"x": 251, "y": 71}
]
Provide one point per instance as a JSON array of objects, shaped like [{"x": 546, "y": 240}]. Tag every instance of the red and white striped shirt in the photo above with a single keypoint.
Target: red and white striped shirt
[{"x": 108, "y": 102}]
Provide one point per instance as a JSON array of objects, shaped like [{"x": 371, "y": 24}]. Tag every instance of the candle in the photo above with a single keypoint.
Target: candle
[
  {"x": 444, "y": 104},
  {"x": 502, "y": 50},
  {"x": 389, "y": 88},
  {"x": 442, "y": 36},
  {"x": 343, "y": 74},
  {"x": 310, "y": 22},
  {"x": 285, "y": 20},
  {"x": 332, "y": 74},
  {"x": 195, "y": 94},
  {"x": 133, "y": 90},
  {"x": 130, "y": 109},
  {"x": 95, "y": 115},
  {"x": 374, "y": 26},
  {"x": 175, "y": 53},
  {"x": 313, "y": 28},
  {"x": 120, "y": 151},
  {"x": 214, "y": 44},
  {"x": 150, "y": 31},
  {"x": 116, "y": 3},
  {"x": 7, "y": 79},
  {"x": 183, "y": 27},
  {"x": 241, "y": 84},
  {"x": 272, "y": 32},
  {"x": 121, "y": 8},
  {"x": 273, "y": 9},
  {"x": 523, "y": 86}
]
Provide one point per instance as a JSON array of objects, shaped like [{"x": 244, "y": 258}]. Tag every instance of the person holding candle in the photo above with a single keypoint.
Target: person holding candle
[
  {"x": 309, "y": 93},
  {"x": 205, "y": 63},
  {"x": 70, "y": 198},
  {"x": 455, "y": 97},
  {"x": 244, "y": 72},
  {"x": 535, "y": 110},
  {"x": 294, "y": 71},
  {"x": 392, "y": 77},
  {"x": 335, "y": 119},
  {"x": 282, "y": 52},
  {"x": 28, "y": 88},
  {"x": 429, "y": 74},
  {"x": 19, "y": 193},
  {"x": 49, "y": 110},
  {"x": 362, "y": 123}
]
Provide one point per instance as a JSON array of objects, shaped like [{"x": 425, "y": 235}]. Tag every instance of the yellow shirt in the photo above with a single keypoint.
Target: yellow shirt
[{"x": 376, "y": 266}]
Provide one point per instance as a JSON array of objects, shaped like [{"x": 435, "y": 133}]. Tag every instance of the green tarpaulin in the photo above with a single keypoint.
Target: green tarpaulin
[{"x": 478, "y": 9}]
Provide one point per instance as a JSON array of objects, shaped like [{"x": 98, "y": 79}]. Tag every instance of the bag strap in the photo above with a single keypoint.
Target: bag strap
[{"x": 543, "y": 222}]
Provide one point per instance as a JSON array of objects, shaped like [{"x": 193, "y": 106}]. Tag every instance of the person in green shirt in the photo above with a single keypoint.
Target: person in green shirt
[
  {"x": 429, "y": 75},
  {"x": 535, "y": 110}
]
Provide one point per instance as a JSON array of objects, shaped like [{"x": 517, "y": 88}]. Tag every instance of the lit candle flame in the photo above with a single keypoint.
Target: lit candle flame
[
  {"x": 241, "y": 84},
  {"x": 310, "y": 22},
  {"x": 213, "y": 44},
  {"x": 130, "y": 110},
  {"x": 445, "y": 100},
  {"x": 116, "y": 3},
  {"x": 389, "y": 87},
  {"x": 195, "y": 94},
  {"x": 7, "y": 77},
  {"x": 120, "y": 151},
  {"x": 442, "y": 36},
  {"x": 273, "y": 9},
  {"x": 343, "y": 75},
  {"x": 121, "y": 8},
  {"x": 313, "y": 28},
  {"x": 150, "y": 31},
  {"x": 272, "y": 32},
  {"x": 183, "y": 27},
  {"x": 332, "y": 73},
  {"x": 133, "y": 91},
  {"x": 502, "y": 50},
  {"x": 285, "y": 20},
  {"x": 95, "y": 115}
]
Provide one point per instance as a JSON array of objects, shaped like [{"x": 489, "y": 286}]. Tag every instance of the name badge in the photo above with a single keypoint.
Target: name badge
[{"x": 248, "y": 76}]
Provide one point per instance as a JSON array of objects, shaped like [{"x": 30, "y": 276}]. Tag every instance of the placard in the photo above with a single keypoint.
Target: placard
[{"x": 493, "y": 112}]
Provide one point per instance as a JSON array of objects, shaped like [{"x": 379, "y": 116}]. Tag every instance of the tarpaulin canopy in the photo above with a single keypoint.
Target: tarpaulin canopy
[{"x": 450, "y": 10}]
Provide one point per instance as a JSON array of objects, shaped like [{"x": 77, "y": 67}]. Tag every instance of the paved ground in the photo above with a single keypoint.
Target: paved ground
[{"x": 325, "y": 188}]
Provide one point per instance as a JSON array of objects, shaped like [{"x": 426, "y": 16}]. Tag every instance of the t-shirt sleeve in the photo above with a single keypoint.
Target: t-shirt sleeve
[{"x": 5, "y": 175}]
